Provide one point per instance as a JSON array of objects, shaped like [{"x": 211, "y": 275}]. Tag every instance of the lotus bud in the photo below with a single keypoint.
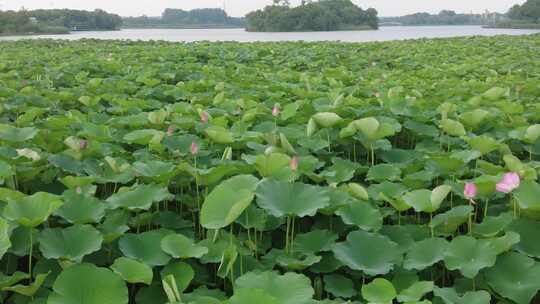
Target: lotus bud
[
  {"x": 204, "y": 116},
  {"x": 509, "y": 182},
  {"x": 78, "y": 190},
  {"x": 194, "y": 148},
  {"x": 83, "y": 144},
  {"x": 470, "y": 190},
  {"x": 276, "y": 110},
  {"x": 294, "y": 163},
  {"x": 170, "y": 130}
]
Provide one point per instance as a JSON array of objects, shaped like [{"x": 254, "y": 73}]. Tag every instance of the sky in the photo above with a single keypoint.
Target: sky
[{"x": 241, "y": 7}]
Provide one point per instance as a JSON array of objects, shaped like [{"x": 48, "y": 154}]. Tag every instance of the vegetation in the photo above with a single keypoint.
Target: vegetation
[
  {"x": 528, "y": 12},
  {"x": 324, "y": 15},
  {"x": 290, "y": 173},
  {"x": 177, "y": 18},
  {"x": 56, "y": 21},
  {"x": 445, "y": 17}
]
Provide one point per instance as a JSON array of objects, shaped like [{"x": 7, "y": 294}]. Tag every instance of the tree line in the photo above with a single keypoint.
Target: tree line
[
  {"x": 204, "y": 17},
  {"x": 528, "y": 12},
  {"x": 323, "y": 15},
  {"x": 57, "y": 21},
  {"x": 445, "y": 17}
]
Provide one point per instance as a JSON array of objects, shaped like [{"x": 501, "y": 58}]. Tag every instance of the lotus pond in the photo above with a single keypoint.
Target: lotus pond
[{"x": 270, "y": 173}]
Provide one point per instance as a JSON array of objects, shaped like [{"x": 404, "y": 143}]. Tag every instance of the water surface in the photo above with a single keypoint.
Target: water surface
[{"x": 383, "y": 34}]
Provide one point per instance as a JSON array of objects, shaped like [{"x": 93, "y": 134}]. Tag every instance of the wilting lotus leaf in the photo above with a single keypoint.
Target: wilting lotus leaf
[
  {"x": 139, "y": 197},
  {"x": 145, "y": 247},
  {"x": 425, "y": 253},
  {"x": 179, "y": 246},
  {"x": 28, "y": 290},
  {"x": 361, "y": 214},
  {"x": 132, "y": 271},
  {"x": 450, "y": 296},
  {"x": 452, "y": 127},
  {"x": 314, "y": 241},
  {"x": 469, "y": 255},
  {"x": 248, "y": 295},
  {"x": 30, "y": 211},
  {"x": 379, "y": 291},
  {"x": 71, "y": 243},
  {"x": 492, "y": 225},
  {"x": 81, "y": 209},
  {"x": 13, "y": 134},
  {"x": 515, "y": 277},
  {"x": 528, "y": 195},
  {"x": 289, "y": 288},
  {"x": 86, "y": 283},
  {"x": 384, "y": 172},
  {"x": 369, "y": 252},
  {"x": 427, "y": 201},
  {"x": 326, "y": 119},
  {"x": 416, "y": 291},
  {"x": 339, "y": 286},
  {"x": 182, "y": 273},
  {"x": 227, "y": 201},
  {"x": 447, "y": 223},
  {"x": 219, "y": 135},
  {"x": 528, "y": 230},
  {"x": 287, "y": 199}
]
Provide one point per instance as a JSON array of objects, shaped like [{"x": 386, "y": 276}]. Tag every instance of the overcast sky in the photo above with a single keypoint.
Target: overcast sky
[{"x": 241, "y": 7}]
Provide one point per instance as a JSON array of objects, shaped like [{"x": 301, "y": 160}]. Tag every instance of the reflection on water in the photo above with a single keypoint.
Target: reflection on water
[{"x": 383, "y": 34}]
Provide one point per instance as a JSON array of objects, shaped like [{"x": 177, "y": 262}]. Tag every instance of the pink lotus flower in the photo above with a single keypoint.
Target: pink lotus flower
[
  {"x": 170, "y": 130},
  {"x": 294, "y": 163},
  {"x": 83, "y": 144},
  {"x": 509, "y": 182},
  {"x": 470, "y": 190},
  {"x": 204, "y": 116},
  {"x": 194, "y": 148},
  {"x": 276, "y": 110}
]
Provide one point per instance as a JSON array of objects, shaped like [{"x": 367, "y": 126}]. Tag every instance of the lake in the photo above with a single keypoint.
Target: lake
[{"x": 383, "y": 34}]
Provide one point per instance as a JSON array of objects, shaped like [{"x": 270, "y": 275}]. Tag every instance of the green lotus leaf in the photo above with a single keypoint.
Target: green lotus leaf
[
  {"x": 114, "y": 225},
  {"x": 379, "y": 291},
  {"x": 474, "y": 118},
  {"x": 182, "y": 273},
  {"x": 155, "y": 169},
  {"x": 72, "y": 182},
  {"x": 179, "y": 246},
  {"x": 339, "y": 286},
  {"x": 528, "y": 195},
  {"x": 5, "y": 233},
  {"x": 144, "y": 137},
  {"x": 145, "y": 247},
  {"x": 492, "y": 225},
  {"x": 369, "y": 252},
  {"x": 425, "y": 253},
  {"x": 259, "y": 296},
  {"x": 450, "y": 296},
  {"x": 452, "y": 127},
  {"x": 132, "y": 271},
  {"x": 357, "y": 191},
  {"x": 505, "y": 242},
  {"x": 384, "y": 172},
  {"x": 447, "y": 223},
  {"x": 230, "y": 254},
  {"x": 5, "y": 170},
  {"x": 532, "y": 133},
  {"x": 287, "y": 199},
  {"x": 71, "y": 243},
  {"x": 327, "y": 119},
  {"x": 361, "y": 214},
  {"x": 528, "y": 231},
  {"x": 416, "y": 291},
  {"x": 314, "y": 241},
  {"x": 289, "y": 288},
  {"x": 81, "y": 209},
  {"x": 311, "y": 127},
  {"x": 469, "y": 255},
  {"x": 275, "y": 165},
  {"x": 139, "y": 197},
  {"x": 6, "y": 281},
  {"x": 86, "y": 283},
  {"x": 427, "y": 201},
  {"x": 368, "y": 126},
  {"x": 483, "y": 144},
  {"x": 13, "y": 134},
  {"x": 341, "y": 171},
  {"x": 28, "y": 290},
  {"x": 296, "y": 261},
  {"x": 515, "y": 277},
  {"x": 219, "y": 135},
  {"x": 30, "y": 211},
  {"x": 495, "y": 93},
  {"x": 227, "y": 201}
]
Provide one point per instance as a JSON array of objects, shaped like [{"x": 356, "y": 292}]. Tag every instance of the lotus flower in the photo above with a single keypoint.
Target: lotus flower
[
  {"x": 204, "y": 116},
  {"x": 194, "y": 148},
  {"x": 294, "y": 163},
  {"x": 276, "y": 110},
  {"x": 509, "y": 182},
  {"x": 170, "y": 130},
  {"x": 470, "y": 190}
]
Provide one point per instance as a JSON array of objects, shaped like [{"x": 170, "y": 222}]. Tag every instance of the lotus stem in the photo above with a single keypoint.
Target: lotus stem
[
  {"x": 30, "y": 255},
  {"x": 287, "y": 235},
  {"x": 292, "y": 235},
  {"x": 486, "y": 208},
  {"x": 431, "y": 225},
  {"x": 470, "y": 217}
]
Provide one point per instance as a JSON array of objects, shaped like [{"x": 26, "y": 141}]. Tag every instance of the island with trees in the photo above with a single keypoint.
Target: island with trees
[
  {"x": 525, "y": 16},
  {"x": 178, "y": 18},
  {"x": 323, "y": 15},
  {"x": 56, "y": 21}
]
